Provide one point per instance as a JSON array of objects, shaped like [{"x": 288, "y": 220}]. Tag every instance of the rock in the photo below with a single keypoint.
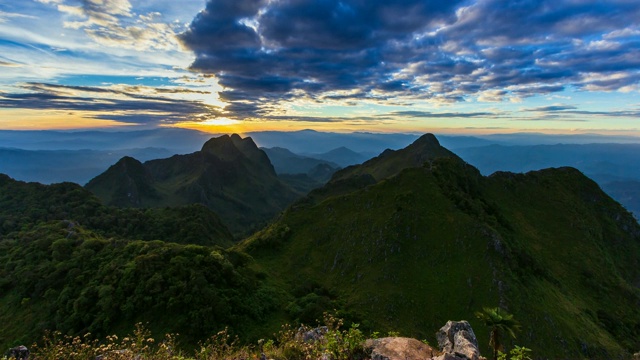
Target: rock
[
  {"x": 458, "y": 339},
  {"x": 398, "y": 348},
  {"x": 20, "y": 352},
  {"x": 312, "y": 335},
  {"x": 636, "y": 356}
]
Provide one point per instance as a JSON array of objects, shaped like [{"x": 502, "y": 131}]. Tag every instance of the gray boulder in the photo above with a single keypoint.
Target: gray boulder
[{"x": 456, "y": 338}]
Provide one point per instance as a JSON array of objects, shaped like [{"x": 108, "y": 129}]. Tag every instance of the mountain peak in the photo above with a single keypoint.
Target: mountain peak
[
  {"x": 427, "y": 139},
  {"x": 391, "y": 162},
  {"x": 216, "y": 142}
]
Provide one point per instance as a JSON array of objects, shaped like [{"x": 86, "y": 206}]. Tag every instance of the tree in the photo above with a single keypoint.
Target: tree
[{"x": 500, "y": 322}]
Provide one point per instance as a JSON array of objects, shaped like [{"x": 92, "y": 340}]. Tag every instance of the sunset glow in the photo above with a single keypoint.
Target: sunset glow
[{"x": 454, "y": 67}]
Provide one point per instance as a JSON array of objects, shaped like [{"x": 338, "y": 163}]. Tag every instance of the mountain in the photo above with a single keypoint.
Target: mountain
[
  {"x": 615, "y": 167},
  {"x": 182, "y": 140},
  {"x": 342, "y": 156},
  {"x": 286, "y": 162},
  {"x": 417, "y": 236},
  {"x": 79, "y": 166},
  {"x": 315, "y": 142},
  {"x": 229, "y": 175},
  {"x": 391, "y": 162},
  {"x": 626, "y": 192}
]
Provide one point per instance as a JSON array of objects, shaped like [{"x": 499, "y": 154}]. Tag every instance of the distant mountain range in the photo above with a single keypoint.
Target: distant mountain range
[
  {"x": 96, "y": 150},
  {"x": 78, "y": 166},
  {"x": 344, "y": 156}
]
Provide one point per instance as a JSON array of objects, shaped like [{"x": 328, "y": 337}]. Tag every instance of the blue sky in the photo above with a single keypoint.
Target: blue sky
[{"x": 483, "y": 66}]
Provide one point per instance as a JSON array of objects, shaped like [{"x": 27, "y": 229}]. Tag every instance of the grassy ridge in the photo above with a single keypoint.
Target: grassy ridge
[{"x": 441, "y": 241}]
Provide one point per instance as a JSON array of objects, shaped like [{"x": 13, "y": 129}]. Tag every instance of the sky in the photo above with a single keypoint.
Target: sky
[{"x": 476, "y": 67}]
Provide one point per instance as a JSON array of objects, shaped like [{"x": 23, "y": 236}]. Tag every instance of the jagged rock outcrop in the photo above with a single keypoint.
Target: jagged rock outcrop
[
  {"x": 457, "y": 339},
  {"x": 399, "y": 348}
]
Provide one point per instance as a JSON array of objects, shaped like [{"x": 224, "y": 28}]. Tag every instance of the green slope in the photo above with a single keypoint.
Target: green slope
[
  {"x": 410, "y": 250},
  {"x": 23, "y": 205},
  {"x": 230, "y": 175},
  {"x": 68, "y": 263}
]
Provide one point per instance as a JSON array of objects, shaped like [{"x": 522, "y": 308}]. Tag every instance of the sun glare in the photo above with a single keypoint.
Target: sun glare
[{"x": 219, "y": 122}]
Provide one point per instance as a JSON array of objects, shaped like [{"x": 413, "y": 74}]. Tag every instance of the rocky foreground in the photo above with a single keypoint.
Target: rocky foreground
[{"x": 456, "y": 341}]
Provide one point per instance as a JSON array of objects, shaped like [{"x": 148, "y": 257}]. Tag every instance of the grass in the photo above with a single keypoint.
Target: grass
[{"x": 288, "y": 343}]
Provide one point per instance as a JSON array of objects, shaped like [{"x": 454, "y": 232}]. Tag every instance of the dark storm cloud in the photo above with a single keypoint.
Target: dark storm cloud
[
  {"x": 268, "y": 51},
  {"x": 128, "y": 107}
]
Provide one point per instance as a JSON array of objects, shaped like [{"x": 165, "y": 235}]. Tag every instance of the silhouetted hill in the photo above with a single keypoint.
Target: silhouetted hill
[
  {"x": 230, "y": 175},
  {"x": 342, "y": 156},
  {"x": 286, "y": 162},
  {"x": 415, "y": 237},
  {"x": 79, "y": 166},
  {"x": 316, "y": 142},
  {"x": 182, "y": 140}
]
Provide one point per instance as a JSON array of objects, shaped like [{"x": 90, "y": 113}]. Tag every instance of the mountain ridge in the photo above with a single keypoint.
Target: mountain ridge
[
  {"x": 412, "y": 239},
  {"x": 230, "y": 175}
]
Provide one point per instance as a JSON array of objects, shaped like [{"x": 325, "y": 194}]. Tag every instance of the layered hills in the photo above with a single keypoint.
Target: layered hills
[
  {"x": 417, "y": 236},
  {"x": 403, "y": 242},
  {"x": 229, "y": 175}
]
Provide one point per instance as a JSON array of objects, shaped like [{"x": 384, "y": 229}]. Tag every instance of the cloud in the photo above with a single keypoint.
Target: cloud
[
  {"x": 9, "y": 64},
  {"x": 428, "y": 114},
  {"x": 269, "y": 52},
  {"x": 129, "y": 106},
  {"x": 552, "y": 108},
  {"x": 113, "y": 23},
  {"x": 562, "y": 111},
  {"x": 4, "y": 16}
]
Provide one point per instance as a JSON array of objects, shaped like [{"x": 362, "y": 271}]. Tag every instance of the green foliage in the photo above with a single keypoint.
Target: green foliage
[
  {"x": 517, "y": 353},
  {"x": 520, "y": 353},
  {"x": 500, "y": 322},
  {"x": 86, "y": 283},
  {"x": 23, "y": 205}
]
